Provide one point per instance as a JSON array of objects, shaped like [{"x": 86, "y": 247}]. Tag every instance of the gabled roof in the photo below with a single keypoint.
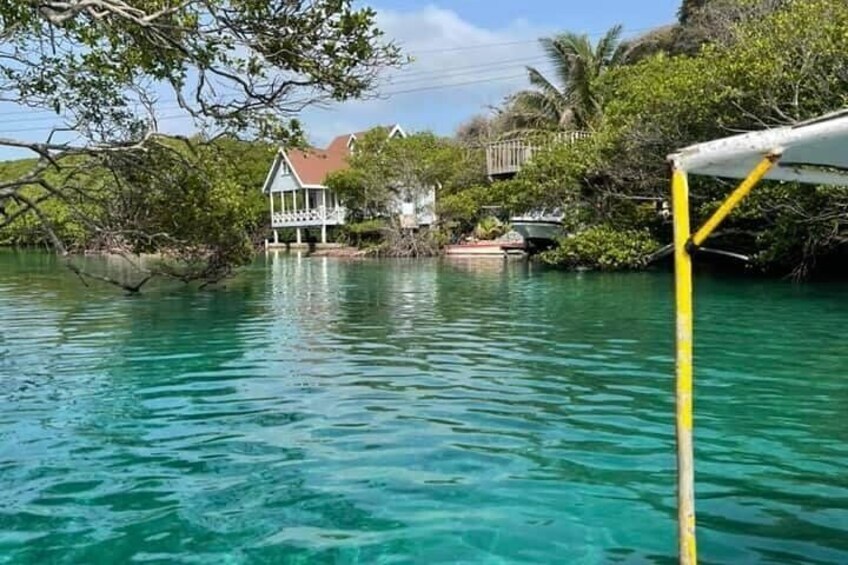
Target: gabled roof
[
  {"x": 311, "y": 166},
  {"x": 345, "y": 141}
]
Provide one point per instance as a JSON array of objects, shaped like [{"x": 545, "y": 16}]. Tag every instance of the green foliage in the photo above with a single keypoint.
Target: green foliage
[
  {"x": 233, "y": 68},
  {"x": 776, "y": 63},
  {"x": 102, "y": 62},
  {"x": 560, "y": 177},
  {"x": 384, "y": 170},
  {"x": 367, "y": 227},
  {"x": 365, "y": 233},
  {"x": 689, "y": 8},
  {"x": 465, "y": 205},
  {"x": 67, "y": 217},
  {"x": 602, "y": 248},
  {"x": 489, "y": 228},
  {"x": 729, "y": 66},
  {"x": 785, "y": 67},
  {"x": 202, "y": 204}
]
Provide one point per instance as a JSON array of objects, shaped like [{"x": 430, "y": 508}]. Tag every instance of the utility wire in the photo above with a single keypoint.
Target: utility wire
[
  {"x": 424, "y": 75},
  {"x": 452, "y": 85},
  {"x": 57, "y": 125},
  {"x": 515, "y": 42},
  {"x": 422, "y": 78},
  {"x": 417, "y": 85},
  {"x": 410, "y": 78},
  {"x": 387, "y": 94},
  {"x": 515, "y": 63}
]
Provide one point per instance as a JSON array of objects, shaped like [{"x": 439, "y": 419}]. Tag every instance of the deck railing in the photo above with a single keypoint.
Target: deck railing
[
  {"x": 508, "y": 156},
  {"x": 304, "y": 218}
]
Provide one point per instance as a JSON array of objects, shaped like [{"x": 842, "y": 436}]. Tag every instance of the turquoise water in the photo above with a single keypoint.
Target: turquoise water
[{"x": 323, "y": 411}]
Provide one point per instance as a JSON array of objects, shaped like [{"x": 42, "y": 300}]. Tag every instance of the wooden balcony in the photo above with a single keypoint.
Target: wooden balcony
[
  {"x": 508, "y": 156},
  {"x": 309, "y": 218}
]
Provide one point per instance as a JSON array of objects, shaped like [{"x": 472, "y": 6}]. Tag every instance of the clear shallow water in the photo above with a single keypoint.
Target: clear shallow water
[{"x": 322, "y": 411}]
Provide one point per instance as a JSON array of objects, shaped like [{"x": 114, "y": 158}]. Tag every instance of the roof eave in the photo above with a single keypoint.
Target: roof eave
[{"x": 716, "y": 158}]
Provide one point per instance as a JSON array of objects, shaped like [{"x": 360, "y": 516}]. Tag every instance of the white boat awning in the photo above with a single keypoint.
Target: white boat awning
[{"x": 814, "y": 152}]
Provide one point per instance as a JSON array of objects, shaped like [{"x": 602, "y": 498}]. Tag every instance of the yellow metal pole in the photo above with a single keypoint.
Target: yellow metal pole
[
  {"x": 735, "y": 198},
  {"x": 683, "y": 300},
  {"x": 683, "y": 239}
]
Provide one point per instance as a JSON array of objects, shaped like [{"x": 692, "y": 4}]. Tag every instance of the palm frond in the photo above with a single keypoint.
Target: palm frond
[
  {"x": 541, "y": 82},
  {"x": 609, "y": 44},
  {"x": 567, "y": 96}
]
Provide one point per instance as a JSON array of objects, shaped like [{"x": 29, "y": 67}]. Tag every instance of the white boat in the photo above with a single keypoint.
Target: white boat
[
  {"x": 484, "y": 248},
  {"x": 539, "y": 227}
]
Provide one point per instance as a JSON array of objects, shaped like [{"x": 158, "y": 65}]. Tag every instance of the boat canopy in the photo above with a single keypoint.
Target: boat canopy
[{"x": 815, "y": 152}]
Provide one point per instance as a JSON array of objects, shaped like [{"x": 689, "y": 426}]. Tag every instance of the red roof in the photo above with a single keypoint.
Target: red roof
[{"x": 313, "y": 165}]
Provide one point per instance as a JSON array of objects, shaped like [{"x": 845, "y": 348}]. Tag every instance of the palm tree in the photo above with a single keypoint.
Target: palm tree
[{"x": 569, "y": 99}]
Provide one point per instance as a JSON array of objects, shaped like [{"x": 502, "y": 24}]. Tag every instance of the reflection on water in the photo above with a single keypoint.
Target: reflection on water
[{"x": 322, "y": 410}]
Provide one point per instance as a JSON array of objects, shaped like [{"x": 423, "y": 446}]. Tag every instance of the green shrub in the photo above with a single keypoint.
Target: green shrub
[
  {"x": 489, "y": 228},
  {"x": 602, "y": 248},
  {"x": 365, "y": 233}
]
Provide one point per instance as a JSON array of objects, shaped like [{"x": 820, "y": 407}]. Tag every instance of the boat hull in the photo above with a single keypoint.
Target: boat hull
[
  {"x": 542, "y": 231},
  {"x": 487, "y": 249}
]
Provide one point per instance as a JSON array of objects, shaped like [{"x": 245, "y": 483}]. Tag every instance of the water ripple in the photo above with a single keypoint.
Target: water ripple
[{"x": 321, "y": 411}]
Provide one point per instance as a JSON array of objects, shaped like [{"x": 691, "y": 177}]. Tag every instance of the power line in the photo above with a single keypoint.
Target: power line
[
  {"x": 453, "y": 85},
  {"x": 412, "y": 78},
  {"x": 446, "y": 78},
  {"x": 523, "y": 61},
  {"x": 418, "y": 82},
  {"x": 387, "y": 94},
  {"x": 54, "y": 126},
  {"x": 518, "y": 42},
  {"x": 56, "y": 118},
  {"x": 413, "y": 84},
  {"x": 475, "y": 46}
]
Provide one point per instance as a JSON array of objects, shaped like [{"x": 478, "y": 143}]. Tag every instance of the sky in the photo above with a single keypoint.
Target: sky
[{"x": 467, "y": 55}]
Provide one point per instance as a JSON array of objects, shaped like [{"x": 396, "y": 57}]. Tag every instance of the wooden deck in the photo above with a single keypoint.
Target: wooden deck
[{"x": 508, "y": 156}]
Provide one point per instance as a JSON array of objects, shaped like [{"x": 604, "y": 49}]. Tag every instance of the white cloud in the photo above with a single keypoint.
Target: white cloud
[
  {"x": 458, "y": 69},
  {"x": 446, "y": 50}
]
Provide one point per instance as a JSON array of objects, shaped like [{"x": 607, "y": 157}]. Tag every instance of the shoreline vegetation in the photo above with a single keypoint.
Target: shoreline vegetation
[{"x": 726, "y": 66}]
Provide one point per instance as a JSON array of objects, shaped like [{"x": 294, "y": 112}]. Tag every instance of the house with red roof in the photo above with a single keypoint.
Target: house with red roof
[{"x": 297, "y": 193}]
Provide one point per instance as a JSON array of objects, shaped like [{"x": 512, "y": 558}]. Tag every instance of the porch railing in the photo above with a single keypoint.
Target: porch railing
[
  {"x": 305, "y": 218},
  {"x": 508, "y": 156}
]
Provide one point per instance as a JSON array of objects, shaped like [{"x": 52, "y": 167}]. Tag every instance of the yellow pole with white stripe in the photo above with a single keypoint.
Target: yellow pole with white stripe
[
  {"x": 684, "y": 244},
  {"x": 683, "y": 301}
]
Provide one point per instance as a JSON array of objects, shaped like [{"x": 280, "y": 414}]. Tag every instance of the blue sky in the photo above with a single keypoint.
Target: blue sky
[
  {"x": 468, "y": 55},
  {"x": 487, "y": 43}
]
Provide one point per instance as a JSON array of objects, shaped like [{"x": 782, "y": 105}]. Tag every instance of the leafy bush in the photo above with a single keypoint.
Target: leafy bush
[
  {"x": 602, "y": 248},
  {"x": 367, "y": 227},
  {"x": 365, "y": 233},
  {"x": 489, "y": 228}
]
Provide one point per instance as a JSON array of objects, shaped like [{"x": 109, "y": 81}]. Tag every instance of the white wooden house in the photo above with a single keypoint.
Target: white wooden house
[{"x": 300, "y": 199}]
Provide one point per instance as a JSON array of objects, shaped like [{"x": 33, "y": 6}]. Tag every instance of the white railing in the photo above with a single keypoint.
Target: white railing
[
  {"x": 304, "y": 218},
  {"x": 507, "y": 157}
]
